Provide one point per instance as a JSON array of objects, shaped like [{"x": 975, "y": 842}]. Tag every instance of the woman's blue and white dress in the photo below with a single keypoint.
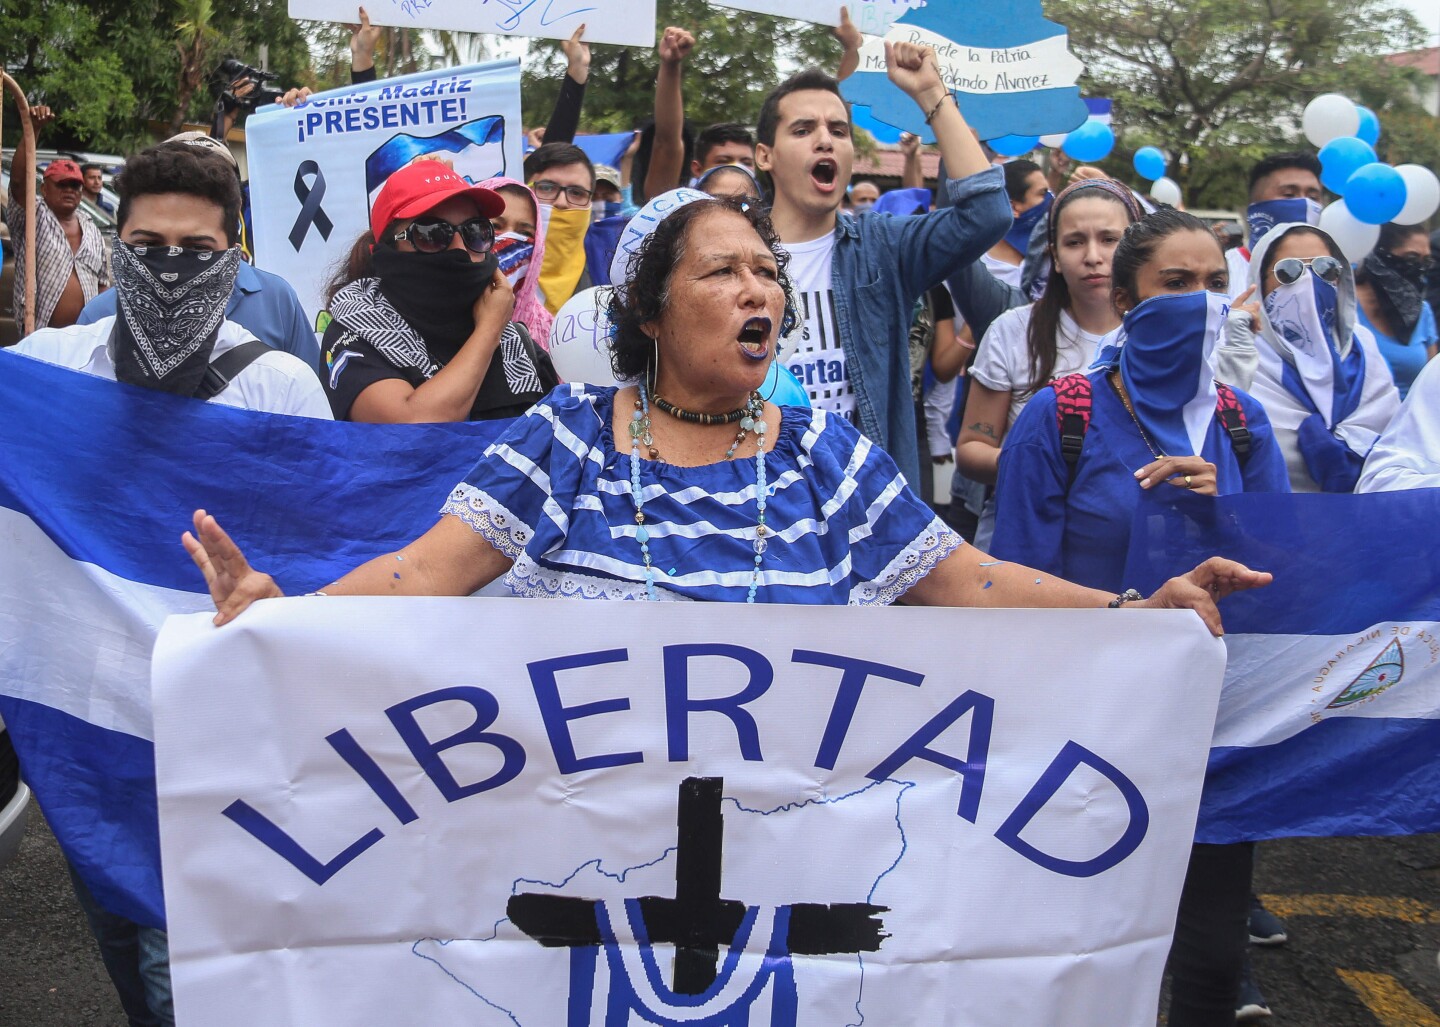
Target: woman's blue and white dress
[{"x": 554, "y": 495}]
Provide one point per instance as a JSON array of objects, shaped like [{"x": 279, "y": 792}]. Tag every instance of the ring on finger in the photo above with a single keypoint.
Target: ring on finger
[{"x": 1187, "y": 481}]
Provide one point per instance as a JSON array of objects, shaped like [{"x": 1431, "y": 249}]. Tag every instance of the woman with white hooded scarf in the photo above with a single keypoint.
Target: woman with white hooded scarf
[{"x": 1320, "y": 375}]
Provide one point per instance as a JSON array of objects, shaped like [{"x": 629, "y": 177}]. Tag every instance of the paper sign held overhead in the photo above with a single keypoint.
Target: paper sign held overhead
[
  {"x": 628, "y": 22},
  {"x": 872, "y": 17},
  {"x": 1009, "y": 68}
]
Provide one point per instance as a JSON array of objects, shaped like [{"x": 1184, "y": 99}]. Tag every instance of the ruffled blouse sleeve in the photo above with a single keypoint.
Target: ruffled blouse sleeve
[{"x": 520, "y": 493}]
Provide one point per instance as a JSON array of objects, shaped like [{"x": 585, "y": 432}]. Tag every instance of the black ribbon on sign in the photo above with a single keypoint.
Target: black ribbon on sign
[{"x": 311, "y": 212}]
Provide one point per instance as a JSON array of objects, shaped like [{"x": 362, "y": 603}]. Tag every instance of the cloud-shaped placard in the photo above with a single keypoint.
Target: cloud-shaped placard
[{"x": 1010, "y": 69}]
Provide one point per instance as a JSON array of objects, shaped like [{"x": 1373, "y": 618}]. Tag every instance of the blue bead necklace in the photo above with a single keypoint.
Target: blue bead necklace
[{"x": 752, "y": 419}]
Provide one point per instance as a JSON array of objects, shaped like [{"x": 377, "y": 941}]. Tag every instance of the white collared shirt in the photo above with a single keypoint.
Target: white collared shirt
[{"x": 275, "y": 382}]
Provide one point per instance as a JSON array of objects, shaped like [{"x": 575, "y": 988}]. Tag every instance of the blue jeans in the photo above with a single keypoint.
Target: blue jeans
[{"x": 137, "y": 959}]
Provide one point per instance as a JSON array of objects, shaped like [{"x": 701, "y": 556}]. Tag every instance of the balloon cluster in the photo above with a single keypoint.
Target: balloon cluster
[{"x": 1371, "y": 192}]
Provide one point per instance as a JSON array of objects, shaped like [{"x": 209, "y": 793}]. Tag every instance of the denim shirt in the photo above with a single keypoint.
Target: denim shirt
[{"x": 881, "y": 266}]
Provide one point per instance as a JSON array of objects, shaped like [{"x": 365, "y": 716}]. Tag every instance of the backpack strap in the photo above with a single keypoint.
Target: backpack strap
[
  {"x": 1232, "y": 419},
  {"x": 224, "y": 369},
  {"x": 1072, "y": 415}
]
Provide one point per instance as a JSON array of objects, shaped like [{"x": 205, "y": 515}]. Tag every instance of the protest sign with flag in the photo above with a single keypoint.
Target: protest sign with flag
[
  {"x": 559, "y": 811},
  {"x": 1330, "y": 719},
  {"x": 316, "y": 168}
]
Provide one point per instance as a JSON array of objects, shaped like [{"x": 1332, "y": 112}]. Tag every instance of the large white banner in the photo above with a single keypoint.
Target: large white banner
[
  {"x": 316, "y": 168},
  {"x": 552, "y": 812},
  {"x": 630, "y": 22}
]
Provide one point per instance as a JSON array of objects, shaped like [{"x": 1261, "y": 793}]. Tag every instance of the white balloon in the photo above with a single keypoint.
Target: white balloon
[
  {"x": 1054, "y": 142},
  {"x": 1422, "y": 194},
  {"x": 579, "y": 338},
  {"x": 1354, "y": 237},
  {"x": 1165, "y": 190},
  {"x": 1329, "y": 116}
]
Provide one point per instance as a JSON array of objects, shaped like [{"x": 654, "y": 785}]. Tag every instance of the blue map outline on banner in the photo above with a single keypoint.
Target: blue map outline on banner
[
  {"x": 596, "y": 865},
  {"x": 996, "y": 26}
]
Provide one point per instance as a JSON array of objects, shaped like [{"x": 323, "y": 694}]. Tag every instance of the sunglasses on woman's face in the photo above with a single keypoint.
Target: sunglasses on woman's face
[
  {"x": 1289, "y": 270},
  {"x": 432, "y": 235}
]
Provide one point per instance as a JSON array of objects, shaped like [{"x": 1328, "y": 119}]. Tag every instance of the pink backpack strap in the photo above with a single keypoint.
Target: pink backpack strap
[
  {"x": 1073, "y": 403},
  {"x": 1232, "y": 419}
]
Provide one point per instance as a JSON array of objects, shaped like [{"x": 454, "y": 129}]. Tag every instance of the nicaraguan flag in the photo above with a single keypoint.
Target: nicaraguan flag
[
  {"x": 1329, "y": 723},
  {"x": 474, "y": 150},
  {"x": 97, "y": 482}
]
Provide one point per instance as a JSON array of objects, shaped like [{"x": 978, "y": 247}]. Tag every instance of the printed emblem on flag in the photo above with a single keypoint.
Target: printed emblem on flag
[{"x": 1384, "y": 672}]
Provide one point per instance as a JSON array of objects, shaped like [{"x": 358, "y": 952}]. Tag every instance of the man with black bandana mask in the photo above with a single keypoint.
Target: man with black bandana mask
[
  {"x": 420, "y": 326},
  {"x": 175, "y": 261},
  {"x": 174, "y": 264},
  {"x": 1390, "y": 291}
]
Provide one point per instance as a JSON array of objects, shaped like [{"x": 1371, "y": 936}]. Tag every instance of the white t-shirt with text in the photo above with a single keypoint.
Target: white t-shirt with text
[
  {"x": 1002, "y": 362},
  {"x": 812, "y": 351}
]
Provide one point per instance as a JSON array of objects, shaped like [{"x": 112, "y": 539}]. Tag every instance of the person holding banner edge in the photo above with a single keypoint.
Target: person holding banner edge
[
  {"x": 1071, "y": 476},
  {"x": 558, "y": 507}
]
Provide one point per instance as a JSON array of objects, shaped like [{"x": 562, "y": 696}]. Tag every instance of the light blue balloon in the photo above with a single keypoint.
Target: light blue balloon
[
  {"x": 1149, "y": 163},
  {"x": 1013, "y": 146},
  {"x": 783, "y": 389},
  {"x": 1341, "y": 158},
  {"x": 1375, "y": 193},
  {"x": 1369, "y": 130},
  {"x": 1090, "y": 142}
]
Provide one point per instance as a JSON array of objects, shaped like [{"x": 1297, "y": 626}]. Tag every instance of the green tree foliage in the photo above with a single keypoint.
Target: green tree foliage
[
  {"x": 1221, "y": 83},
  {"x": 736, "y": 61},
  {"x": 111, "y": 68}
]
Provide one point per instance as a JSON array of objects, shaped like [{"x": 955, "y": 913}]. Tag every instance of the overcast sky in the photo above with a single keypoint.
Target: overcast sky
[{"x": 1428, "y": 11}]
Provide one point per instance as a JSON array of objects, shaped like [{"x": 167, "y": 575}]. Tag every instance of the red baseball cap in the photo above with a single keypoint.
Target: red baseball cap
[
  {"x": 64, "y": 171},
  {"x": 423, "y": 185}
]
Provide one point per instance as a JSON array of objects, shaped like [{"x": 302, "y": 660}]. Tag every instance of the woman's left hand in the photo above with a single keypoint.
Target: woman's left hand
[
  {"x": 1205, "y": 586},
  {"x": 1186, "y": 472}
]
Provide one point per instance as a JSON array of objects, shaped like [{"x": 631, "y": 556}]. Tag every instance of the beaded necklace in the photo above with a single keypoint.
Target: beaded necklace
[{"x": 750, "y": 419}]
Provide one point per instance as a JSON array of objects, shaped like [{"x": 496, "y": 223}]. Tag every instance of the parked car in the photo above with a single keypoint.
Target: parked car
[{"x": 14, "y": 799}]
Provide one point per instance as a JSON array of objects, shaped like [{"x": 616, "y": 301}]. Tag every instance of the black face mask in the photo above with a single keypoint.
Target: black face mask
[
  {"x": 170, "y": 303},
  {"x": 1398, "y": 288},
  {"x": 435, "y": 293}
]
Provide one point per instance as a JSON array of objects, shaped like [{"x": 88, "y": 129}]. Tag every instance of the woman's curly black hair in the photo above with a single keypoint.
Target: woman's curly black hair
[{"x": 646, "y": 291}]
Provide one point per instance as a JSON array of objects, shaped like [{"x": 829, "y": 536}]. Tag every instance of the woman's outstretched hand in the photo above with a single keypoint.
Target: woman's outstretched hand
[
  {"x": 233, "y": 583},
  {"x": 1205, "y": 586}
]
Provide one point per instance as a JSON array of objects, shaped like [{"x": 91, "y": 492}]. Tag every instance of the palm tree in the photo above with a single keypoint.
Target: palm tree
[{"x": 194, "y": 36}]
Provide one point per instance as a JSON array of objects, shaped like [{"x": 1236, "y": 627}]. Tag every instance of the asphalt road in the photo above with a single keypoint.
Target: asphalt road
[{"x": 1363, "y": 916}]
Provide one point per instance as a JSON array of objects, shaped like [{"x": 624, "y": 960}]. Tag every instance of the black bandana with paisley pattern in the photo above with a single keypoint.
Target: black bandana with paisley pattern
[{"x": 170, "y": 304}]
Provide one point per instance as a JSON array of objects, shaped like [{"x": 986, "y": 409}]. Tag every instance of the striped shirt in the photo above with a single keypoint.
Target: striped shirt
[
  {"x": 55, "y": 260},
  {"x": 554, "y": 495}
]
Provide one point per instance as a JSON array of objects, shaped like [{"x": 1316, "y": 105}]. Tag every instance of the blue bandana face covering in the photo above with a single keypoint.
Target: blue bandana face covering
[
  {"x": 1263, "y": 216},
  {"x": 1019, "y": 234},
  {"x": 1167, "y": 364}
]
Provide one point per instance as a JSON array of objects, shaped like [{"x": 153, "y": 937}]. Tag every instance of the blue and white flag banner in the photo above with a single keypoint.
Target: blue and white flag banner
[
  {"x": 547, "y": 812},
  {"x": 1330, "y": 719},
  {"x": 630, "y": 22},
  {"x": 316, "y": 168},
  {"x": 97, "y": 482},
  {"x": 1010, "y": 70}
]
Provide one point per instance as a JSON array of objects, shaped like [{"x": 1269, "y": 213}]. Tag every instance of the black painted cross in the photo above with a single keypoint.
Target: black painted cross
[{"x": 697, "y": 921}]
